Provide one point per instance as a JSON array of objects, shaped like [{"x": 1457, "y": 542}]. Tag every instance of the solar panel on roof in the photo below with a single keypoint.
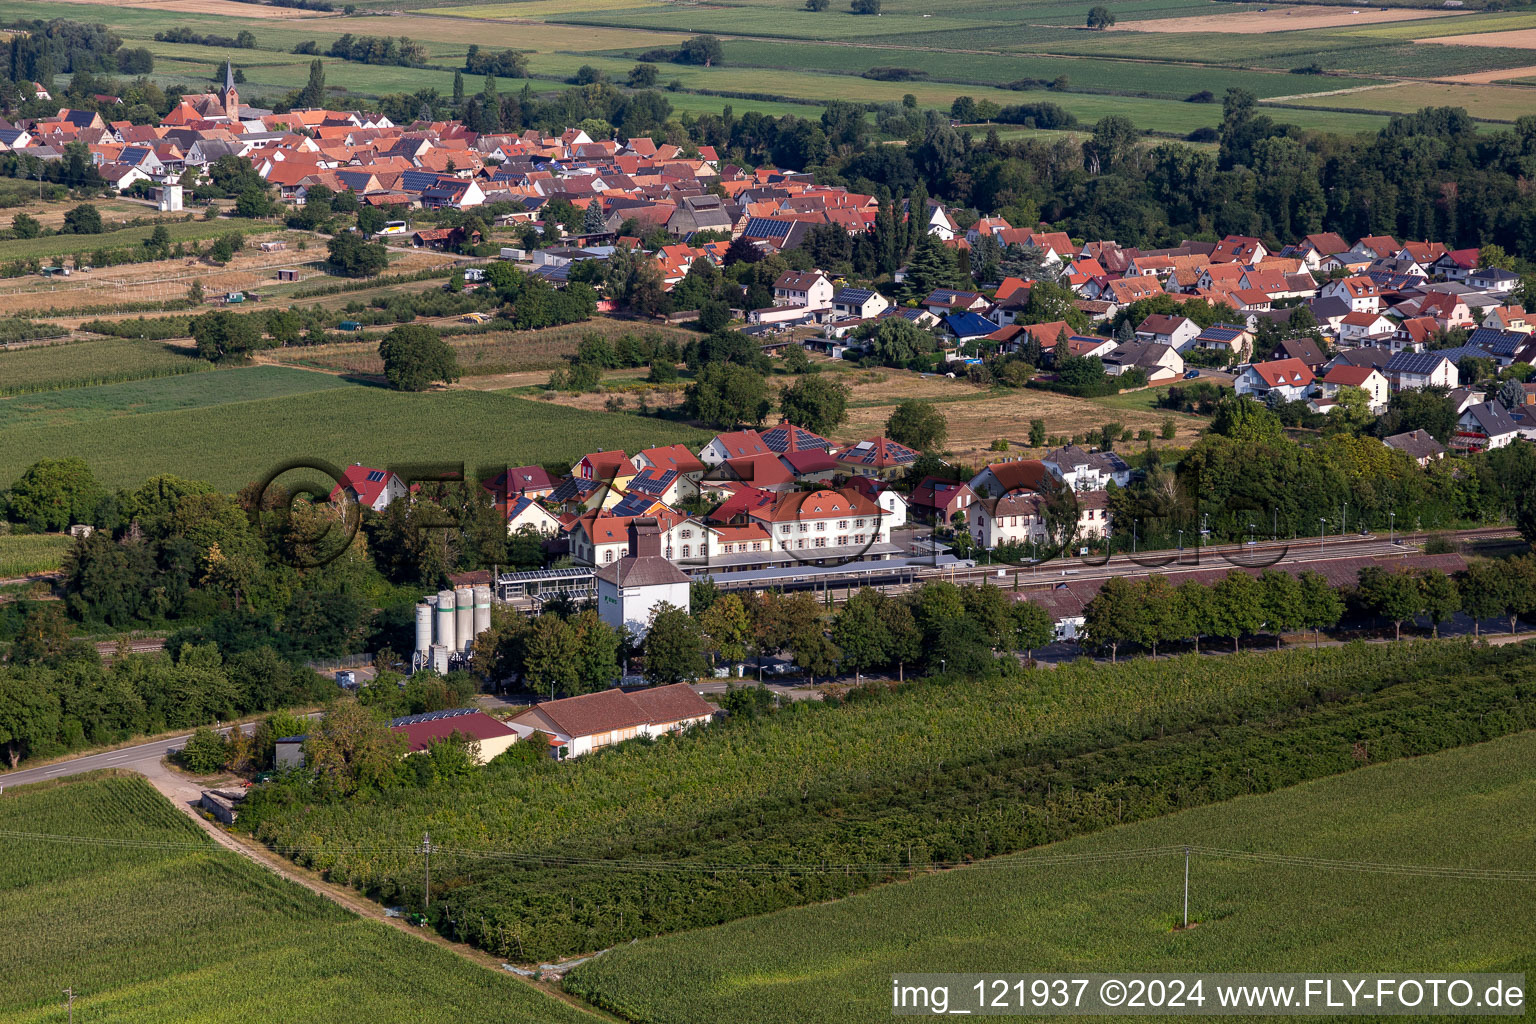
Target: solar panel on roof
[
  {"x": 432, "y": 716},
  {"x": 376, "y": 475}
]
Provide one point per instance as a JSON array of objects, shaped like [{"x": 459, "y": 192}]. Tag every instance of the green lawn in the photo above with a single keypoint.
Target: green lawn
[
  {"x": 232, "y": 444},
  {"x": 1470, "y": 807},
  {"x": 177, "y": 929}
]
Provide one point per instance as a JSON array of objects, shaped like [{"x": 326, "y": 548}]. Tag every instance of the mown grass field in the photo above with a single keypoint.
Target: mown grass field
[
  {"x": 181, "y": 930},
  {"x": 80, "y": 364},
  {"x": 239, "y": 441},
  {"x": 1470, "y": 807},
  {"x": 24, "y": 554},
  {"x": 58, "y": 409}
]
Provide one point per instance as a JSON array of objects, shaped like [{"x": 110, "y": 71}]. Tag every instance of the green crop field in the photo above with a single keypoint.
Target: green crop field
[
  {"x": 83, "y": 363},
  {"x": 23, "y": 554},
  {"x": 52, "y": 246},
  {"x": 736, "y": 820},
  {"x": 53, "y": 410},
  {"x": 232, "y": 444},
  {"x": 1462, "y": 808},
  {"x": 1127, "y": 77},
  {"x": 148, "y": 921}
]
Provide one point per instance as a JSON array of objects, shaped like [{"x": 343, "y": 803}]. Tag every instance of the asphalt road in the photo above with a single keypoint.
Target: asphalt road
[
  {"x": 125, "y": 757},
  {"x": 134, "y": 757}
]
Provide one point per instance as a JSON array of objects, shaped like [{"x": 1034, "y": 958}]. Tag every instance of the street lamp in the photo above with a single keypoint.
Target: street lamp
[
  {"x": 1321, "y": 525},
  {"x": 1344, "y": 522},
  {"x": 1250, "y": 535},
  {"x": 1390, "y": 517},
  {"x": 1181, "y": 545}
]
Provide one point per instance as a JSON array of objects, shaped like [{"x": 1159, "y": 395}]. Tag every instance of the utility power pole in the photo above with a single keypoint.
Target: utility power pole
[
  {"x": 1186, "y": 887},
  {"x": 426, "y": 848},
  {"x": 69, "y": 995}
]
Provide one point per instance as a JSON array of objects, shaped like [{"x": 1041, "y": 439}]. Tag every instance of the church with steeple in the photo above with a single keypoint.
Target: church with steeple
[
  {"x": 230, "y": 97},
  {"x": 223, "y": 105}
]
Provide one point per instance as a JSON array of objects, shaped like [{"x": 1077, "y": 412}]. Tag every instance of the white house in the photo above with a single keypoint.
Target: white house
[
  {"x": 1360, "y": 292},
  {"x": 1290, "y": 379},
  {"x": 527, "y": 513},
  {"x": 630, "y": 589},
  {"x": 1176, "y": 331},
  {"x": 1370, "y": 379},
  {"x": 1083, "y": 470},
  {"x": 803, "y": 290},
  {"x": 863, "y": 303},
  {"x": 1484, "y": 427},
  {"x": 1414, "y": 371},
  {"x": 1361, "y": 328},
  {"x": 738, "y": 444},
  {"x": 374, "y": 488}
]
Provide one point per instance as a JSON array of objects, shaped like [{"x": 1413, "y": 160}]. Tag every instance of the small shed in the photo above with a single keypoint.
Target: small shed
[
  {"x": 349, "y": 325},
  {"x": 273, "y": 246},
  {"x": 290, "y": 752},
  {"x": 287, "y": 275}
]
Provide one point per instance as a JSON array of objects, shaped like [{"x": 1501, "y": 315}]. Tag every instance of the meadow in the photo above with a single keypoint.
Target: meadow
[
  {"x": 79, "y": 364},
  {"x": 1056, "y": 909},
  {"x": 147, "y": 920},
  {"x": 25, "y": 554},
  {"x": 820, "y": 801},
  {"x": 234, "y": 443}
]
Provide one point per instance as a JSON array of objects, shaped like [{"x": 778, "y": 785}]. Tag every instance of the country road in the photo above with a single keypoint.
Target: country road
[{"x": 138, "y": 758}]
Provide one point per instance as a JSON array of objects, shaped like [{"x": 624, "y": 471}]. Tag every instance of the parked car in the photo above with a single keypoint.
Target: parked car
[{"x": 1191, "y": 374}]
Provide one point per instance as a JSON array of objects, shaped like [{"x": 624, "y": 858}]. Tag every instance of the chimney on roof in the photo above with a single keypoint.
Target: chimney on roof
[{"x": 645, "y": 538}]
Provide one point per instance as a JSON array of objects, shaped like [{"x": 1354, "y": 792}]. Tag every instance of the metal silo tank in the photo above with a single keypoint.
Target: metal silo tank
[
  {"x": 445, "y": 630},
  {"x": 423, "y": 626},
  {"x": 464, "y": 614},
  {"x": 482, "y": 609}
]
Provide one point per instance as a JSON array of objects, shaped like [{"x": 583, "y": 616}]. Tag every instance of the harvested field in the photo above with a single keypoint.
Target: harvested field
[
  {"x": 1499, "y": 102},
  {"x": 1277, "y": 19},
  {"x": 1520, "y": 39},
  {"x": 1485, "y": 77},
  {"x": 167, "y": 280},
  {"x": 978, "y": 417},
  {"x": 227, "y": 8},
  {"x": 482, "y": 355}
]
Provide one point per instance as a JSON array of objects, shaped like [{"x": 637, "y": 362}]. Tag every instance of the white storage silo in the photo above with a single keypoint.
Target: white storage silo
[
  {"x": 464, "y": 613},
  {"x": 482, "y": 609},
  {"x": 423, "y": 626},
  {"x": 445, "y": 631}
]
